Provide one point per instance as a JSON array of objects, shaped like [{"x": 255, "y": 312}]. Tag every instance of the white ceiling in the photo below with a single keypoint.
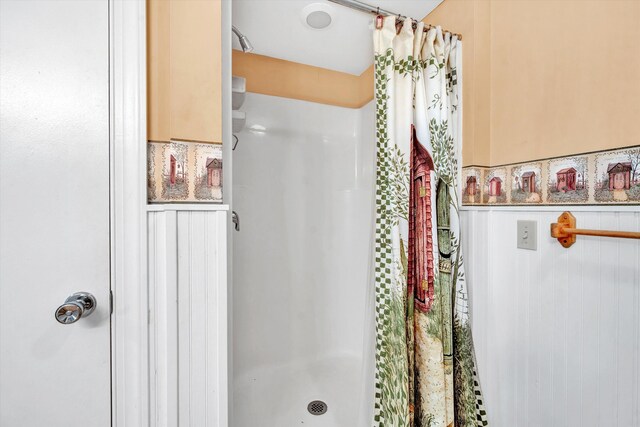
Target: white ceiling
[{"x": 276, "y": 28}]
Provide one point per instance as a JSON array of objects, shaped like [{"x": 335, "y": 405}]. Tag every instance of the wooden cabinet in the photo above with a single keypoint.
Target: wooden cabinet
[{"x": 184, "y": 70}]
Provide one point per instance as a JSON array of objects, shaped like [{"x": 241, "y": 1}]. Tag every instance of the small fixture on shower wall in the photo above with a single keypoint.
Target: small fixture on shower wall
[
  {"x": 238, "y": 91},
  {"x": 317, "y": 16},
  {"x": 238, "y": 119}
]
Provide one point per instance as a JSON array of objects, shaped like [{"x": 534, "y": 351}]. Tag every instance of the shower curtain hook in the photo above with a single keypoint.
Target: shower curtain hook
[
  {"x": 379, "y": 20},
  {"x": 399, "y": 23}
]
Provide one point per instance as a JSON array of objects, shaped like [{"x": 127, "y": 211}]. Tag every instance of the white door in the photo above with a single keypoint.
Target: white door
[{"x": 54, "y": 212}]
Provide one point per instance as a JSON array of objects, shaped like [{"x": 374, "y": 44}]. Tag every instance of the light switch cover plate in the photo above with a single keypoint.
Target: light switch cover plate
[{"x": 528, "y": 235}]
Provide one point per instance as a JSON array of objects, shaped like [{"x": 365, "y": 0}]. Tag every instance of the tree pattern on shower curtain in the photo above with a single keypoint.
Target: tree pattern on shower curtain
[{"x": 426, "y": 372}]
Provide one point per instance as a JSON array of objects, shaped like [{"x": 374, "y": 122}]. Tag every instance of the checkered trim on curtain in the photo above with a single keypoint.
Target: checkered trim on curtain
[
  {"x": 384, "y": 222},
  {"x": 481, "y": 413}
]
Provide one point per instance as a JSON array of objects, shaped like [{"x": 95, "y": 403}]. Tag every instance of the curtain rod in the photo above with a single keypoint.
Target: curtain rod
[{"x": 367, "y": 8}]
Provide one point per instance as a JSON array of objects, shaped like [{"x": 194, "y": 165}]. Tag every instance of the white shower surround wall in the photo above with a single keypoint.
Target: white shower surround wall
[{"x": 303, "y": 188}]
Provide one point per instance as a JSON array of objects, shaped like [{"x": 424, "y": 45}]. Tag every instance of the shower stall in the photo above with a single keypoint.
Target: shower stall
[
  {"x": 303, "y": 183},
  {"x": 303, "y": 190}
]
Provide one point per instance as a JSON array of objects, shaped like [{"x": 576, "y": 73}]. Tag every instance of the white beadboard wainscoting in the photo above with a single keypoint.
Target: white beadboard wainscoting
[
  {"x": 557, "y": 330},
  {"x": 188, "y": 315}
]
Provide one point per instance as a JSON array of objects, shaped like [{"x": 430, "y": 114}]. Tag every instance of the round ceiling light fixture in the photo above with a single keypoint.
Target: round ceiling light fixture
[{"x": 317, "y": 16}]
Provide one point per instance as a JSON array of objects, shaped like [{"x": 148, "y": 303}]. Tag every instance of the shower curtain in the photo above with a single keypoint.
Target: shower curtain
[{"x": 425, "y": 372}]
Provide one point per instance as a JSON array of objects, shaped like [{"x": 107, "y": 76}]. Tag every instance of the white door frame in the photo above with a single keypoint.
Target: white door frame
[{"x": 128, "y": 134}]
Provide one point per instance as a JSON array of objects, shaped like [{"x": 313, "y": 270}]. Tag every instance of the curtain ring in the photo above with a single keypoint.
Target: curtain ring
[
  {"x": 379, "y": 19},
  {"x": 379, "y": 22}
]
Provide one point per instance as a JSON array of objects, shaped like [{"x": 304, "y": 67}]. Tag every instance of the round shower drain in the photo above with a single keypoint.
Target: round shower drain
[{"x": 317, "y": 407}]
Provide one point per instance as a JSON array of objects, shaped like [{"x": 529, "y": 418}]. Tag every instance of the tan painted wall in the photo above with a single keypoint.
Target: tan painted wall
[
  {"x": 277, "y": 77},
  {"x": 546, "y": 78},
  {"x": 565, "y": 77},
  {"x": 158, "y": 97},
  {"x": 184, "y": 70},
  {"x": 468, "y": 18}
]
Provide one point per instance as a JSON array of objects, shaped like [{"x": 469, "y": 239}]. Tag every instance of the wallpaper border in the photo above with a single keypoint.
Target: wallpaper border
[
  {"x": 197, "y": 172},
  {"x": 608, "y": 177}
]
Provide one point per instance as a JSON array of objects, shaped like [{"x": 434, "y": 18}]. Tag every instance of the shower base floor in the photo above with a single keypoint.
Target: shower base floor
[{"x": 278, "y": 396}]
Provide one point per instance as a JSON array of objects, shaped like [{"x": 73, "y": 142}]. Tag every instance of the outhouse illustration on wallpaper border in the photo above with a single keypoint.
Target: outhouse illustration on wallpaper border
[
  {"x": 175, "y": 181},
  {"x": 568, "y": 180},
  {"x": 525, "y": 183},
  {"x": 471, "y": 182},
  {"x": 494, "y": 191},
  {"x": 618, "y": 176},
  {"x": 208, "y": 172}
]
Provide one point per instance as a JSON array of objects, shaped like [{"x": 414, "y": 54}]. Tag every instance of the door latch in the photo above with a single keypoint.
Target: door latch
[{"x": 235, "y": 218}]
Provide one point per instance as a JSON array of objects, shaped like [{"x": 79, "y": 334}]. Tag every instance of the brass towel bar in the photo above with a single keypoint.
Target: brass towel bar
[{"x": 565, "y": 231}]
